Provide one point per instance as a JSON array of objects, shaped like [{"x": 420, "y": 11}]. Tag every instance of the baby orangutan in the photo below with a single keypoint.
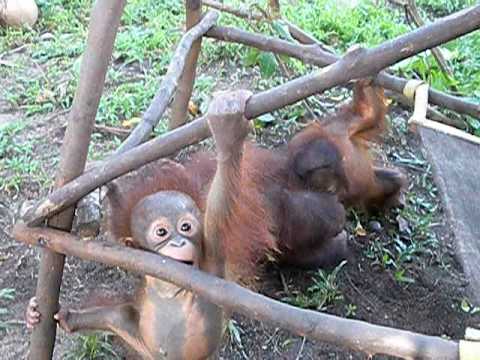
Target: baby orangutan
[
  {"x": 332, "y": 154},
  {"x": 163, "y": 321}
]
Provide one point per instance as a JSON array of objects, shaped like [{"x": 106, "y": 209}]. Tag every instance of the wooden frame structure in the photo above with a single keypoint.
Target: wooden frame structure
[{"x": 72, "y": 183}]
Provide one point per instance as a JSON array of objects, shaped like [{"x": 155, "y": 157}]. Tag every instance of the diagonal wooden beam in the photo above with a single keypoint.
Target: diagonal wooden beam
[{"x": 179, "y": 113}]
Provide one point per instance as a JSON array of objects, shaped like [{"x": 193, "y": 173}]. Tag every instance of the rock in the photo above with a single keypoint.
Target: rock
[
  {"x": 88, "y": 216},
  {"x": 18, "y": 12},
  {"x": 403, "y": 225},
  {"x": 25, "y": 207},
  {"x": 375, "y": 226}
]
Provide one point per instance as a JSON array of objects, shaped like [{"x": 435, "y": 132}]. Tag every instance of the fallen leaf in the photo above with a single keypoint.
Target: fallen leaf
[
  {"x": 131, "y": 122},
  {"x": 193, "y": 108},
  {"x": 359, "y": 230}
]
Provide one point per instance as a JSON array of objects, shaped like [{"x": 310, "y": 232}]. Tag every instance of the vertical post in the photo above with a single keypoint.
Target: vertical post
[
  {"x": 274, "y": 6},
  {"x": 103, "y": 26},
  {"x": 179, "y": 114}
]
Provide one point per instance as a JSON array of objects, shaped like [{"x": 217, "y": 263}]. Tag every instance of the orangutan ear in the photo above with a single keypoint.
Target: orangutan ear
[{"x": 128, "y": 242}]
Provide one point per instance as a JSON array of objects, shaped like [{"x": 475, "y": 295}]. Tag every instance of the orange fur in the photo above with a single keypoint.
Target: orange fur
[
  {"x": 350, "y": 130},
  {"x": 248, "y": 234},
  {"x": 266, "y": 190}
]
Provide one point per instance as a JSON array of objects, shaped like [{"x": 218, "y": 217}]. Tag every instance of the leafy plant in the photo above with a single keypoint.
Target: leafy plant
[
  {"x": 468, "y": 308},
  {"x": 6, "y": 294},
  {"x": 350, "y": 310},
  {"x": 265, "y": 60},
  {"x": 324, "y": 291},
  {"x": 94, "y": 347},
  {"x": 16, "y": 159}
]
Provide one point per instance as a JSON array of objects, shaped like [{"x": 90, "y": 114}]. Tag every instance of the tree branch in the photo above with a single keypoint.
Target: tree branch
[
  {"x": 243, "y": 13},
  {"x": 169, "y": 83},
  {"x": 411, "y": 7},
  {"x": 355, "y": 64},
  {"x": 384, "y": 79},
  {"x": 317, "y": 55},
  {"x": 354, "y": 334}
]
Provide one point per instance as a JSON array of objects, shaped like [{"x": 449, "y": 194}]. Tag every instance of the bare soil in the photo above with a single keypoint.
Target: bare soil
[{"x": 430, "y": 304}]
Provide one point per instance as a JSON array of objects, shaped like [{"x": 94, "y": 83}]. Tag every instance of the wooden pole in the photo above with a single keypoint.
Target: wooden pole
[
  {"x": 104, "y": 22},
  {"x": 354, "y": 334},
  {"x": 185, "y": 87}
]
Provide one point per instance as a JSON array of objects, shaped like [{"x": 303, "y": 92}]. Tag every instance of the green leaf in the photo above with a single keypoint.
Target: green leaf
[
  {"x": 281, "y": 28},
  {"x": 474, "y": 123},
  {"x": 400, "y": 277},
  {"x": 264, "y": 121},
  {"x": 468, "y": 307},
  {"x": 266, "y": 118},
  {"x": 251, "y": 58},
  {"x": 268, "y": 64},
  {"x": 7, "y": 293},
  {"x": 235, "y": 332}
]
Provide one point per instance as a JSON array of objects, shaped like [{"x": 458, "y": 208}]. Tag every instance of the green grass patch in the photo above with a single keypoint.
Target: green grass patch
[
  {"x": 6, "y": 295},
  {"x": 18, "y": 163},
  {"x": 323, "y": 292},
  {"x": 93, "y": 347}
]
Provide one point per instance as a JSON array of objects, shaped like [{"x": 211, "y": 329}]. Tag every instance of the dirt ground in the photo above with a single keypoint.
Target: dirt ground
[{"x": 423, "y": 291}]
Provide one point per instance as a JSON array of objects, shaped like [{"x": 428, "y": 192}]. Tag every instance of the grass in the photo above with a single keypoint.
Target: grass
[
  {"x": 412, "y": 242},
  {"x": 324, "y": 291},
  {"x": 6, "y": 294},
  {"x": 18, "y": 161},
  {"x": 93, "y": 347},
  {"x": 150, "y": 30}
]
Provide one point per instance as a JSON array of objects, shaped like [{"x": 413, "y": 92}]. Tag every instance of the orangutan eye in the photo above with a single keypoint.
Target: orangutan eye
[
  {"x": 161, "y": 232},
  {"x": 186, "y": 227}
]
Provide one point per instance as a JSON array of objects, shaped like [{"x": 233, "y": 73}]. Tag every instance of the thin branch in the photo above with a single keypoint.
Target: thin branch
[
  {"x": 274, "y": 9},
  {"x": 412, "y": 9},
  {"x": 388, "y": 81},
  {"x": 354, "y": 334},
  {"x": 242, "y": 13},
  {"x": 355, "y": 64},
  {"x": 287, "y": 74},
  {"x": 318, "y": 55},
  {"x": 169, "y": 83},
  {"x": 111, "y": 130}
]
